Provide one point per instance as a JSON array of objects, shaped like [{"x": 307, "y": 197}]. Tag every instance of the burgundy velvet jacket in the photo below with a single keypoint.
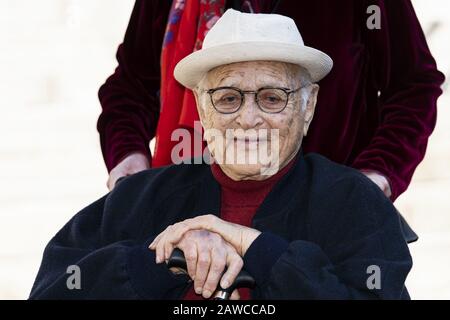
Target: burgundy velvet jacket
[{"x": 375, "y": 111}]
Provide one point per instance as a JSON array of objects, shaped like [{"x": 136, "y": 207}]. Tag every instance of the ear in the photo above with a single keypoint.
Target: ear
[{"x": 310, "y": 107}]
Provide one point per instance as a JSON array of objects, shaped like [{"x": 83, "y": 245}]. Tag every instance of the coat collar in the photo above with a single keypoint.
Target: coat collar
[{"x": 277, "y": 202}]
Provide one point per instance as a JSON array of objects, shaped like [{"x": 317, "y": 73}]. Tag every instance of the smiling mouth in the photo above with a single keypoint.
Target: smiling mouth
[{"x": 249, "y": 139}]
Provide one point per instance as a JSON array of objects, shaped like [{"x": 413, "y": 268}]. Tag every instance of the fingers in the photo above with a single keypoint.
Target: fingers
[
  {"x": 218, "y": 264},
  {"x": 235, "y": 264},
  {"x": 172, "y": 235},
  {"x": 160, "y": 252},
  {"x": 203, "y": 263},
  {"x": 206, "y": 222},
  {"x": 155, "y": 241},
  {"x": 190, "y": 255},
  {"x": 167, "y": 250},
  {"x": 161, "y": 246},
  {"x": 207, "y": 256}
]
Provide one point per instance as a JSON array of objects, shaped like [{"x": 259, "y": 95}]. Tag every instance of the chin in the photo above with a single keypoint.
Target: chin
[{"x": 250, "y": 172}]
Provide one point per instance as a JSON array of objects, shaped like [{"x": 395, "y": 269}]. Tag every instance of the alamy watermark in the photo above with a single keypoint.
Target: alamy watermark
[
  {"x": 374, "y": 280},
  {"x": 374, "y": 20},
  {"x": 74, "y": 279}
]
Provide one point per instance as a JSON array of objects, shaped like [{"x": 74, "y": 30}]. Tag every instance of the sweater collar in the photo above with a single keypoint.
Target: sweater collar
[
  {"x": 248, "y": 185},
  {"x": 208, "y": 197}
]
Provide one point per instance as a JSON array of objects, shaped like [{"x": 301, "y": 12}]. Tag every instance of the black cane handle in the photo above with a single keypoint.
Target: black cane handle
[{"x": 243, "y": 280}]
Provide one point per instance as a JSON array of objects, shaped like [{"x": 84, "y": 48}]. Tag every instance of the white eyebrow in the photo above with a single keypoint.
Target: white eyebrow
[{"x": 270, "y": 84}]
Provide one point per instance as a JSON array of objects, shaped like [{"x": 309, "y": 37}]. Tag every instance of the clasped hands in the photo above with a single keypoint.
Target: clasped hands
[{"x": 210, "y": 246}]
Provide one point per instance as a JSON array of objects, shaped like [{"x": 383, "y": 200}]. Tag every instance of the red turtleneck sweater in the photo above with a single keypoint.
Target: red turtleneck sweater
[{"x": 239, "y": 202}]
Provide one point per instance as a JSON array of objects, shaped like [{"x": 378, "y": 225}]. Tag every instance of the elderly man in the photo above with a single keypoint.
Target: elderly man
[{"x": 302, "y": 226}]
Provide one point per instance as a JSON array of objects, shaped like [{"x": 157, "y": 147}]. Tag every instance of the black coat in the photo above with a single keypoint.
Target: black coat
[{"x": 324, "y": 228}]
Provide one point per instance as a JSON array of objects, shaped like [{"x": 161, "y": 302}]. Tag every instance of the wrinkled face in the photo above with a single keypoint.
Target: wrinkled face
[{"x": 254, "y": 141}]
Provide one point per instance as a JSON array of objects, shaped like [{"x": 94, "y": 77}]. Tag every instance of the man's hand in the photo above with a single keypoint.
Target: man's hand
[
  {"x": 131, "y": 164},
  {"x": 379, "y": 180},
  {"x": 207, "y": 254},
  {"x": 240, "y": 237}
]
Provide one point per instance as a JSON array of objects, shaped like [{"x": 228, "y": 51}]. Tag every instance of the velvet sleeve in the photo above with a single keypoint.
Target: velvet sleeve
[
  {"x": 129, "y": 97},
  {"x": 409, "y": 85}
]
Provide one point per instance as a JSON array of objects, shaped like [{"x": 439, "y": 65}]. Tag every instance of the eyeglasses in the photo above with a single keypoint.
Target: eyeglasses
[{"x": 230, "y": 99}]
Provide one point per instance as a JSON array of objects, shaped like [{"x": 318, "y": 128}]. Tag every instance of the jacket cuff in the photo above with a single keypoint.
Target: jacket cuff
[
  {"x": 149, "y": 279},
  {"x": 262, "y": 254}
]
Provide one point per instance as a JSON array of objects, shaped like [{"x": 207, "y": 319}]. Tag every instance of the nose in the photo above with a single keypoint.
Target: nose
[{"x": 249, "y": 116}]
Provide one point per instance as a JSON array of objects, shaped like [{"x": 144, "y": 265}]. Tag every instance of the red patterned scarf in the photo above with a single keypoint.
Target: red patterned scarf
[{"x": 189, "y": 21}]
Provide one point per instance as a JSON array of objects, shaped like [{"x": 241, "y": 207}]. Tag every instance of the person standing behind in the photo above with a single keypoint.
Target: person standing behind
[{"x": 376, "y": 111}]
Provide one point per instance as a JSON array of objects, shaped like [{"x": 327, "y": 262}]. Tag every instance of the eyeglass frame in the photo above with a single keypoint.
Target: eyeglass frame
[{"x": 287, "y": 91}]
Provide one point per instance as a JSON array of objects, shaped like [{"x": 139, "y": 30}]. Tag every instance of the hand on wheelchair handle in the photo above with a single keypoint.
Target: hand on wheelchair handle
[{"x": 243, "y": 280}]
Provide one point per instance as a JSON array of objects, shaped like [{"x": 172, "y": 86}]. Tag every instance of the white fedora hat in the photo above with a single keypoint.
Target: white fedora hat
[{"x": 238, "y": 37}]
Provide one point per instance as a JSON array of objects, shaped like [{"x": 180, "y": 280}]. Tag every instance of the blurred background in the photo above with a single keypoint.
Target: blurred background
[{"x": 54, "y": 56}]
